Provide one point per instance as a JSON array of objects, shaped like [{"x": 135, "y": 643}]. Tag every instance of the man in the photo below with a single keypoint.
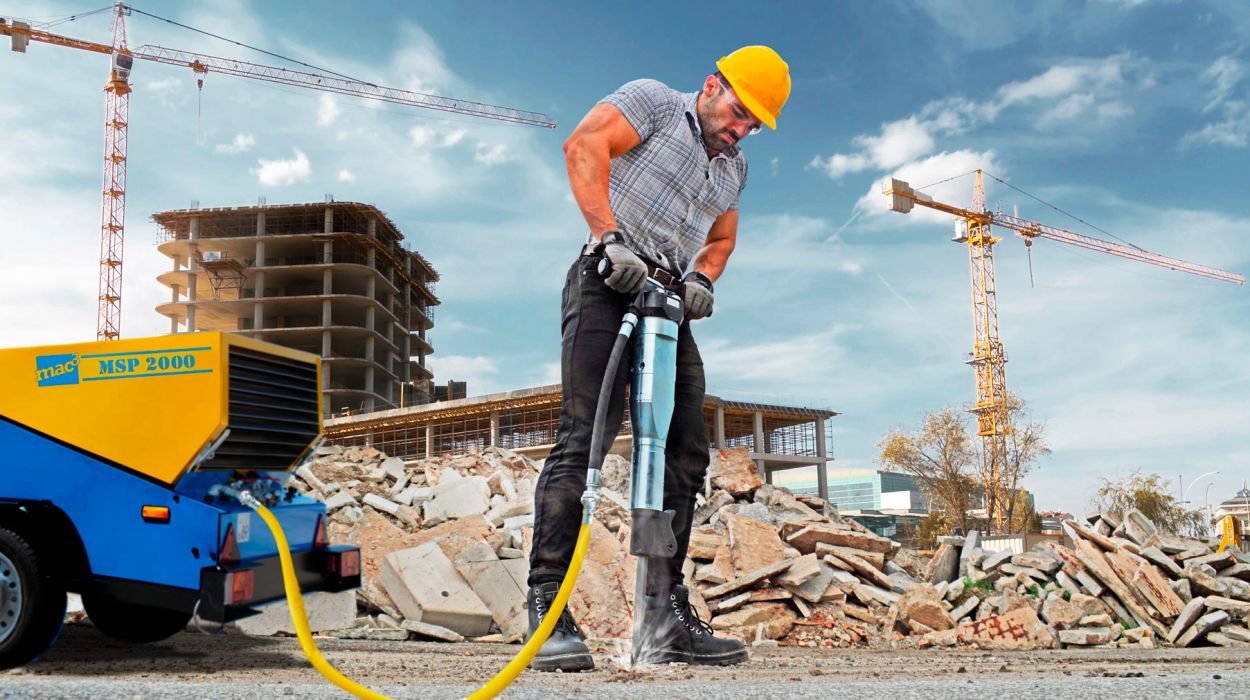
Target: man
[{"x": 657, "y": 174}]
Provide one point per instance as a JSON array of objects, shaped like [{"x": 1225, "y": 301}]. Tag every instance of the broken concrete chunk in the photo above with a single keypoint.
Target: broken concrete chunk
[{"x": 1201, "y": 627}]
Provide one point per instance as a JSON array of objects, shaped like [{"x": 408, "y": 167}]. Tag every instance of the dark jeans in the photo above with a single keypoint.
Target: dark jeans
[{"x": 590, "y": 318}]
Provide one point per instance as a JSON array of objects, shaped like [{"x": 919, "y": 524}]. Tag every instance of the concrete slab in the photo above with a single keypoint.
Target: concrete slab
[
  {"x": 326, "y": 611},
  {"x": 425, "y": 586}
]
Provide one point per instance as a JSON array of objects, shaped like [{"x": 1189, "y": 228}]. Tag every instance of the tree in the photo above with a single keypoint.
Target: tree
[
  {"x": 945, "y": 457},
  {"x": 928, "y": 529},
  {"x": 1150, "y": 494},
  {"x": 1026, "y": 444},
  {"x": 942, "y": 458}
]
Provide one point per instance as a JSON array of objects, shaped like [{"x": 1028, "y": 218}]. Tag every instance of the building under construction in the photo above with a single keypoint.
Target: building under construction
[
  {"x": 525, "y": 421},
  {"x": 329, "y": 278}
]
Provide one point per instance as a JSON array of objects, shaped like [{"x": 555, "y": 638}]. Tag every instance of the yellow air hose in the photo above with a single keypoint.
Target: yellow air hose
[{"x": 494, "y": 687}]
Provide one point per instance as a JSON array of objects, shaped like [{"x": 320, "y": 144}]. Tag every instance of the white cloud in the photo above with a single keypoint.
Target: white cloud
[
  {"x": 274, "y": 173},
  {"x": 921, "y": 173},
  {"x": 242, "y": 143},
  {"x": 347, "y": 176},
  {"x": 1071, "y": 89},
  {"x": 1224, "y": 76},
  {"x": 774, "y": 166},
  {"x": 818, "y": 353},
  {"x": 1226, "y": 72},
  {"x": 420, "y": 135},
  {"x": 479, "y": 371},
  {"x": 164, "y": 84},
  {"x": 454, "y": 137},
  {"x": 327, "y": 109},
  {"x": 492, "y": 154},
  {"x": 899, "y": 142}
]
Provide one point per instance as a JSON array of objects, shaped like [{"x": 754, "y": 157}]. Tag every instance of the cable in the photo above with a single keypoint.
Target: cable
[
  {"x": 253, "y": 48},
  {"x": 1073, "y": 216},
  {"x": 935, "y": 184}
]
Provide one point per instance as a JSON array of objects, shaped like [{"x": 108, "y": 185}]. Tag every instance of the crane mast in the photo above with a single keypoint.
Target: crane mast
[
  {"x": 117, "y": 111},
  {"x": 988, "y": 359}
]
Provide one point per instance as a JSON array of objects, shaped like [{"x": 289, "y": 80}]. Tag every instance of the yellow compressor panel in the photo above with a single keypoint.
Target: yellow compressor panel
[{"x": 150, "y": 405}]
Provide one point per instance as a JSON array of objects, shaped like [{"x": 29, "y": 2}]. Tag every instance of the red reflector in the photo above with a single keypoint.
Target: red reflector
[
  {"x": 321, "y": 540},
  {"x": 229, "y": 548},
  {"x": 239, "y": 586},
  {"x": 348, "y": 563},
  {"x": 155, "y": 514}
]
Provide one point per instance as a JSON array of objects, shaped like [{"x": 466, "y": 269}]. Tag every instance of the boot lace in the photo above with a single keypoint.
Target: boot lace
[
  {"x": 564, "y": 624},
  {"x": 688, "y": 617}
]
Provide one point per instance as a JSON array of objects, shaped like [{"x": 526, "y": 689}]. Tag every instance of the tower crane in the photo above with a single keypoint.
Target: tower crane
[
  {"x": 988, "y": 360},
  {"x": 117, "y": 98}
]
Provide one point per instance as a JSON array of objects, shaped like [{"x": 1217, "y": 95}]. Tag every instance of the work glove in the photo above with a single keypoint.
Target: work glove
[
  {"x": 696, "y": 295},
  {"x": 626, "y": 271}
]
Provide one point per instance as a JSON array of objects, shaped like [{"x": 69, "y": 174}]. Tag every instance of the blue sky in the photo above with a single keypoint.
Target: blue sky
[{"x": 1131, "y": 114}]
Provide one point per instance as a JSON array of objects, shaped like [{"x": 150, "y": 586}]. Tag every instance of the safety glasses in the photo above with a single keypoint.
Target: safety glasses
[{"x": 740, "y": 111}]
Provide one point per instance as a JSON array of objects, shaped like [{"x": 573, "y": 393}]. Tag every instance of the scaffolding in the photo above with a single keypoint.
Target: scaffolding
[{"x": 526, "y": 421}]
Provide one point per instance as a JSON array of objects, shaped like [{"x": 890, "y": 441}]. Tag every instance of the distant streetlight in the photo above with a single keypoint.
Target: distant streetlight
[{"x": 1185, "y": 498}]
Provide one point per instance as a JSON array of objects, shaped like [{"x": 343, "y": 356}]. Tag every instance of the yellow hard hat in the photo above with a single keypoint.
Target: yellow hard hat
[{"x": 761, "y": 79}]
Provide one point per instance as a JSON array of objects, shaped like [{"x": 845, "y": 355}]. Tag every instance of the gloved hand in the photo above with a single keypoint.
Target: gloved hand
[
  {"x": 696, "y": 295},
  {"x": 628, "y": 270}
]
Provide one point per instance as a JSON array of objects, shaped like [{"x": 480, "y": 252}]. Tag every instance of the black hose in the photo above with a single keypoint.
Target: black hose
[{"x": 605, "y": 397}]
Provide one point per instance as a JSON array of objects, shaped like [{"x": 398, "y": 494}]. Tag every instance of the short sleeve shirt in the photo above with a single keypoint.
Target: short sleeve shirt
[{"x": 666, "y": 193}]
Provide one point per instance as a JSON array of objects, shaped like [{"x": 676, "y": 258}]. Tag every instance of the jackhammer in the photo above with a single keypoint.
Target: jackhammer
[{"x": 651, "y": 322}]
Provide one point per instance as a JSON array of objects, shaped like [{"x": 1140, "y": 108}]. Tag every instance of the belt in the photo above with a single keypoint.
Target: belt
[{"x": 654, "y": 271}]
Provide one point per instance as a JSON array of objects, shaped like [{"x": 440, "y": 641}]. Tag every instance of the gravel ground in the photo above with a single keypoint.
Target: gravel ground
[{"x": 85, "y": 664}]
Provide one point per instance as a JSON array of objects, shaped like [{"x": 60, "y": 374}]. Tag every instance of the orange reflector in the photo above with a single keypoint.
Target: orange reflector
[
  {"x": 156, "y": 514},
  {"x": 239, "y": 586},
  {"x": 321, "y": 539},
  {"x": 349, "y": 563},
  {"x": 229, "y": 548}
]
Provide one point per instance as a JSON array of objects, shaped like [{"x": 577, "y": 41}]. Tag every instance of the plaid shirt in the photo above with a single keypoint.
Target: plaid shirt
[{"x": 665, "y": 193}]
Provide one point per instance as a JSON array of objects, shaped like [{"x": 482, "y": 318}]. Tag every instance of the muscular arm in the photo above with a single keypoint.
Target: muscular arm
[
  {"x": 718, "y": 246},
  {"x": 602, "y": 135}
]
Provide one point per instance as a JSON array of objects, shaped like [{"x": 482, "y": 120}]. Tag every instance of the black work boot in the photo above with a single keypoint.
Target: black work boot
[
  {"x": 675, "y": 634},
  {"x": 564, "y": 650}
]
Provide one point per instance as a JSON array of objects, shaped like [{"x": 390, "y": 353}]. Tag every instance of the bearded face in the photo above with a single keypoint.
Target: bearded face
[{"x": 723, "y": 119}]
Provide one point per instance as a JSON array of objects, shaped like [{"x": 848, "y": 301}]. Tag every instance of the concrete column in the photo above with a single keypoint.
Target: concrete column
[
  {"x": 369, "y": 387},
  {"x": 760, "y": 446},
  {"x": 325, "y": 344},
  {"x": 326, "y": 408},
  {"x": 494, "y": 428},
  {"x": 326, "y": 317},
  {"x": 259, "y": 259},
  {"x": 822, "y": 459},
  {"x": 372, "y": 227},
  {"x": 258, "y": 316},
  {"x": 193, "y": 268},
  {"x": 173, "y": 324},
  {"x": 258, "y": 285},
  {"x": 429, "y": 441},
  {"x": 327, "y": 252},
  {"x": 327, "y": 281},
  {"x": 329, "y": 226},
  {"x": 369, "y": 350},
  {"x": 369, "y": 319},
  {"x": 720, "y": 428},
  {"x": 260, "y": 223}
]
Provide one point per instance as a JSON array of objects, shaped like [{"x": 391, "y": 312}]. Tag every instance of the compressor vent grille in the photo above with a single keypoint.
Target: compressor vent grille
[{"x": 273, "y": 412}]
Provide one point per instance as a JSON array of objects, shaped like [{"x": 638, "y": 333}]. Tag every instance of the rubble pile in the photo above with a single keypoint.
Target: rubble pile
[
  {"x": 1122, "y": 583},
  {"x": 445, "y": 545}
]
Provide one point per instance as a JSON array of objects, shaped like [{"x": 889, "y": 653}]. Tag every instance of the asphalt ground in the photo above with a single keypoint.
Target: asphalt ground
[{"x": 85, "y": 664}]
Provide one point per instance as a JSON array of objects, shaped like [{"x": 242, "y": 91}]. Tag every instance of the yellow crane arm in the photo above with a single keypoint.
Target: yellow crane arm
[
  {"x": 1033, "y": 229},
  {"x": 22, "y": 33},
  {"x": 903, "y": 197},
  {"x": 203, "y": 63}
]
